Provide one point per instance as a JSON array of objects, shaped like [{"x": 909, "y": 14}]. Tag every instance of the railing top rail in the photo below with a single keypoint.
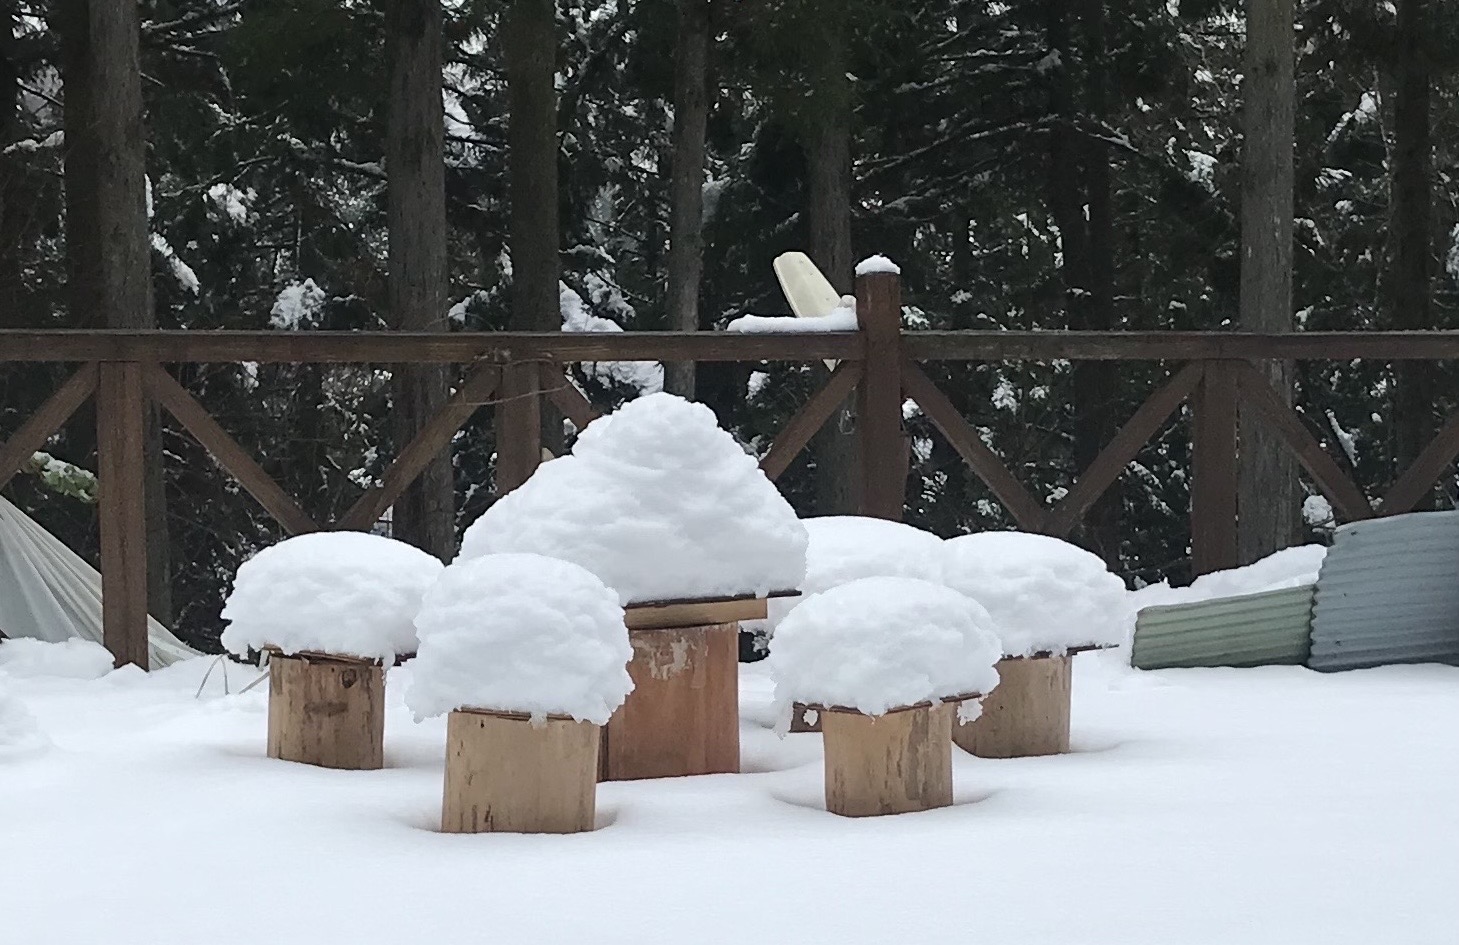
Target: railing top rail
[{"x": 380, "y": 347}]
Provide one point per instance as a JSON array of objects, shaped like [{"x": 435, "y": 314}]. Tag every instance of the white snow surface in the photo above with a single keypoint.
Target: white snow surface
[
  {"x": 1290, "y": 567},
  {"x": 520, "y": 633},
  {"x": 877, "y": 264},
  {"x": 19, "y": 733},
  {"x": 1046, "y": 595},
  {"x": 346, "y": 593},
  {"x": 880, "y": 643},
  {"x": 1272, "y": 806},
  {"x": 69, "y": 659},
  {"x": 844, "y": 548},
  {"x": 840, "y": 318},
  {"x": 659, "y": 503}
]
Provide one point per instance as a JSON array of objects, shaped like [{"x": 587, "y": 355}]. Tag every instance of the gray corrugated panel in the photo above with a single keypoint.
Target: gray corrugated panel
[
  {"x": 1388, "y": 592},
  {"x": 1251, "y": 630}
]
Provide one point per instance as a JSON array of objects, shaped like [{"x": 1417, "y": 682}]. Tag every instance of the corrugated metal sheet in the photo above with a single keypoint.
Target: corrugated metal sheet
[
  {"x": 1388, "y": 592},
  {"x": 1263, "y": 629}
]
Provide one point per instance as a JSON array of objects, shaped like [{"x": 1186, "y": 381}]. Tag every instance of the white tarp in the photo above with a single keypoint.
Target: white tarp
[{"x": 48, "y": 592}]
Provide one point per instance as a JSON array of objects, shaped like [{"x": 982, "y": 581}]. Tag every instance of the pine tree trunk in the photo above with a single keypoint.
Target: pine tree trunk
[
  {"x": 83, "y": 243},
  {"x": 1269, "y": 493},
  {"x": 425, "y": 515},
  {"x": 686, "y": 186},
  {"x": 112, "y": 265},
  {"x": 530, "y": 39},
  {"x": 828, "y": 168},
  {"x": 12, "y": 176},
  {"x": 1412, "y": 215}
]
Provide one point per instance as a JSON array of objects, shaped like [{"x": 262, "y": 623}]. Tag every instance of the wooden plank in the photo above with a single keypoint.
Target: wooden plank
[
  {"x": 970, "y": 446},
  {"x": 121, "y": 400},
  {"x": 48, "y": 418},
  {"x": 798, "y": 431},
  {"x": 518, "y": 425},
  {"x": 1346, "y": 498},
  {"x": 250, "y": 475},
  {"x": 694, "y": 613},
  {"x": 1180, "y": 345},
  {"x": 1126, "y": 444},
  {"x": 363, "y": 347},
  {"x": 480, "y": 383},
  {"x": 565, "y": 396},
  {"x": 1418, "y": 479},
  {"x": 1213, "y": 486},
  {"x": 883, "y": 489}
]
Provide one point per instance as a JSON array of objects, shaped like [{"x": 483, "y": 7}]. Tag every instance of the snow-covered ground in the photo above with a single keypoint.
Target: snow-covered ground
[{"x": 1200, "y": 806}]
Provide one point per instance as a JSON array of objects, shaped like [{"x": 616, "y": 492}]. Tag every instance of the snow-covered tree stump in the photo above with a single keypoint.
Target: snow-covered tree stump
[
  {"x": 327, "y": 711},
  {"x": 894, "y": 763},
  {"x": 683, "y": 715},
  {"x": 504, "y": 773},
  {"x": 1027, "y": 715}
]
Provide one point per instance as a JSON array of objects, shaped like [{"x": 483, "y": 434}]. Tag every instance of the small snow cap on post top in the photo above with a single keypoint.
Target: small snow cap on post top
[
  {"x": 878, "y": 657},
  {"x": 528, "y": 656},
  {"x": 877, "y": 263}
]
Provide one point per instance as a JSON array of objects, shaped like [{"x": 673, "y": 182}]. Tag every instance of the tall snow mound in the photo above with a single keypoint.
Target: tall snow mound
[
  {"x": 68, "y": 659},
  {"x": 883, "y": 642},
  {"x": 19, "y": 733},
  {"x": 1290, "y": 567},
  {"x": 1046, "y": 595},
  {"x": 658, "y": 502},
  {"x": 520, "y": 633},
  {"x": 346, "y": 593},
  {"x": 847, "y": 547}
]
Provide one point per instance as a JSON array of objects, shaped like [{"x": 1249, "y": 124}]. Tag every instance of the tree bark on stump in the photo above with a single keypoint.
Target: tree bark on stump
[
  {"x": 327, "y": 711},
  {"x": 683, "y": 716},
  {"x": 888, "y": 764},
  {"x": 1026, "y": 715},
  {"x": 506, "y": 774}
]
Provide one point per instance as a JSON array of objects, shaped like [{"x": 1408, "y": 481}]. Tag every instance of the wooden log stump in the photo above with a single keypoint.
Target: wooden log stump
[
  {"x": 327, "y": 711},
  {"x": 888, "y": 764},
  {"x": 1027, "y": 715},
  {"x": 504, "y": 774},
  {"x": 683, "y": 716}
]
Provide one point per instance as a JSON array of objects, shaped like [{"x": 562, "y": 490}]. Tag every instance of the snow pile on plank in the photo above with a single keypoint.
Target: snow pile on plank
[
  {"x": 659, "y": 503},
  {"x": 840, "y": 318},
  {"x": 69, "y": 659},
  {"x": 345, "y": 593},
  {"x": 1290, "y": 567},
  {"x": 880, "y": 643},
  {"x": 520, "y": 633},
  {"x": 19, "y": 733},
  {"x": 877, "y": 264},
  {"x": 1046, "y": 595},
  {"x": 845, "y": 548}
]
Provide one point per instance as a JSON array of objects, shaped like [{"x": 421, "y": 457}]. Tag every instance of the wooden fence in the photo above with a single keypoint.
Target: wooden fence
[{"x": 879, "y": 364}]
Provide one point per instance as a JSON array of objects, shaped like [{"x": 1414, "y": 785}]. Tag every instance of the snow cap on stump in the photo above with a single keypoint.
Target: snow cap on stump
[
  {"x": 342, "y": 593},
  {"x": 520, "y": 633},
  {"x": 881, "y": 643},
  {"x": 848, "y": 547},
  {"x": 1046, "y": 595},
  {"x": 660, "y": 503}
]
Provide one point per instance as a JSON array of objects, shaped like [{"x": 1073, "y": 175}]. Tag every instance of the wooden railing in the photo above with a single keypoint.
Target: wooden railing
[{"x": 880, "y": 364}]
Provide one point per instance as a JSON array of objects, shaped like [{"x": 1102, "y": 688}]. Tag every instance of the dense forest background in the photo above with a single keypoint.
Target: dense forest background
[{"x": 1030, "y": 165}]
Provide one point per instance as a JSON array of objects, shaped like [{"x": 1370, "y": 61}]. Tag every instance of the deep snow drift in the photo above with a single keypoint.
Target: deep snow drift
[
  {"x": 520, "y": 633},
  {"x": 660, "y": 503},
  {"x": 1202, "y": 807},
  {"x": 347, "y": 593}
]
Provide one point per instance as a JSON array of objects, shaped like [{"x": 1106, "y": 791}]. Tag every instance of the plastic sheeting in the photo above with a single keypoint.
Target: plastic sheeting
[{"x": 48, "y": 592}]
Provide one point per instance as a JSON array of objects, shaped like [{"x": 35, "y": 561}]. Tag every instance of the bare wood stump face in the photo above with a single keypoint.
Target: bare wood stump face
[
  {"x": 503, "y": 774},
  {"x": 888, "y": 764},
  {"x": 1027, "y": 715},
  {"x": 798, "y": 721},
  {"x": 683, "y": 716},
  {"x": 327, "y": 711}
]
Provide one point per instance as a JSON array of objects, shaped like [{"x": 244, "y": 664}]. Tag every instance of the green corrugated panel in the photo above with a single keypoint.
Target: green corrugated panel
[{"x": 1271, "y": 628}]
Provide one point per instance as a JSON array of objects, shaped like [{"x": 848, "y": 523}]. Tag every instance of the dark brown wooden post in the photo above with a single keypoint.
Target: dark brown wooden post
[
  {"x": 1214, "y": 470},
  {"x": 121, "y": 479},
  {"x": 879, "y": 396},
  {"x": 518, "y": 425}
]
